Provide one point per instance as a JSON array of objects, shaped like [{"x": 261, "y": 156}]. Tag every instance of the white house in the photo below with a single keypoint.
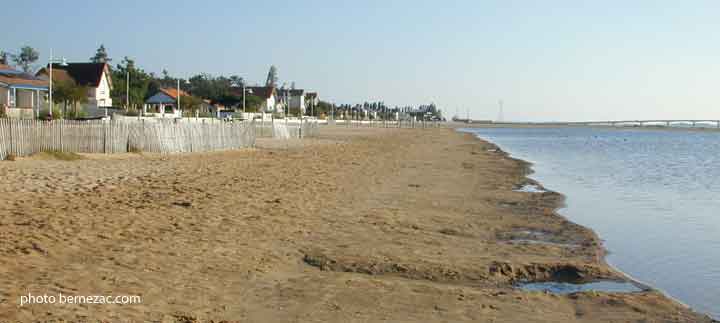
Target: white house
[
  {"x": 268, "y": 94},
  {"x": 295, "y": 98},
  {"x": 95, "y": 76}
]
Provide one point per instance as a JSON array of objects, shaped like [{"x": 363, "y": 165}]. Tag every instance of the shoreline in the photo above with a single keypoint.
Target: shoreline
[
  {"x": 358, "y": 224},
  {"x": 530, "y": 171}
]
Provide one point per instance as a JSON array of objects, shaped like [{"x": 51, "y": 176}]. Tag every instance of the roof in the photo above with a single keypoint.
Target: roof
[
  {"x": 173, "y": 93},
  {"x": 4, "y": 67},
  {"x": 311, "y": 95},
  {"x": 16, "y": 78},
  {"x": 264, "y": 92},
  {"x": 85, "y": 74},
  {"x": 293, "y": 92},
  {"x": 61, "y": 76}
]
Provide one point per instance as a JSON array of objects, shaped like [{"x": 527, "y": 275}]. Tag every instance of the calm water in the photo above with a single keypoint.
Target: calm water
[
  {"x": 567, "y": 288},
  {"x": 653, "y": 196}
]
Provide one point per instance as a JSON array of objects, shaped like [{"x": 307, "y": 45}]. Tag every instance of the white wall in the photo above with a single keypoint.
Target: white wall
[
  {"x": 297, "y": 101},
  {"x": 102, "y": 93},
  {"x": 270, "y": 104}
]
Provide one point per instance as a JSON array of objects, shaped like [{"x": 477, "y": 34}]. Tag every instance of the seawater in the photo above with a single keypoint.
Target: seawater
[{"x": 653, "y": 196}]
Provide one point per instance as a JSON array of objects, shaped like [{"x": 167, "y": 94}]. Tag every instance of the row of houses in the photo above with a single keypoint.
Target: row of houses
[
  {"x": 273, "y": 100},
  {"x": 23, "y": 95}
]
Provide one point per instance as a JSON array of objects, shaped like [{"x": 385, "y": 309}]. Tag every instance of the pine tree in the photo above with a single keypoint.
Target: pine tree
[
  {"x": 27, "y": 57},
  {"x": 272, "y": 78},
  {"x": 101, "y": 56}
]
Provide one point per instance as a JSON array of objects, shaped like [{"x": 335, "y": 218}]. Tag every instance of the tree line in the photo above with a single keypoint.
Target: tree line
[
  {"x": 222, "y": 90},
  {"x": 217, "y": 89}
]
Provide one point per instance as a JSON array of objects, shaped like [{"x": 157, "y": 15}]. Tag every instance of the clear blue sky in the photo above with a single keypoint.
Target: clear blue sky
[{"x": 548, "y": 60}]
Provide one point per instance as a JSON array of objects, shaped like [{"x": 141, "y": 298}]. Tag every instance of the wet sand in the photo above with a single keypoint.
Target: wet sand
[{"x": 357, "y": 225}]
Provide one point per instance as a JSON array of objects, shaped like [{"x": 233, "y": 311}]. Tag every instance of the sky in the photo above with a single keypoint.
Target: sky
[{"x": 551, "y": 60}]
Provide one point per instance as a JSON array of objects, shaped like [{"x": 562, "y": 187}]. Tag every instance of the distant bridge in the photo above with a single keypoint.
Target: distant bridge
[{"x": 625, "y": 123}]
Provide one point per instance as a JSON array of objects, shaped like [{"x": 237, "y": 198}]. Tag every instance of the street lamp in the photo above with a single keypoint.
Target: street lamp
[
  {"x": 178, "y": 97},
  {"x": 250, "y": 91},
  {"x": 61, "y": 62}
]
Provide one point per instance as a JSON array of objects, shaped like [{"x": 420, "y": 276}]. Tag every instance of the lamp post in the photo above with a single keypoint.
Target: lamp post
[
  {"x": 245, "y": 91},
  {"x": 127, "y": 89},
  {"x": 51, "y": 61},
  {"x": 178, "y": 97}
]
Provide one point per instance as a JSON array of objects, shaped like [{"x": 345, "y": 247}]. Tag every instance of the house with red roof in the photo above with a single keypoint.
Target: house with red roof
[
  {"x": 95, "y": 76},
  {"x": 164, "y": 104},
  {"x": 21, "y": 95}
]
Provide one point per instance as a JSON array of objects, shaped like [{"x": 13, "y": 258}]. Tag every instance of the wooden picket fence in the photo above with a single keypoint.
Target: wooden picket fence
[
  {"x": 281, "y": 129},
  {"x": 26, "y": 137},
  {"x": 309, "y": 129}
]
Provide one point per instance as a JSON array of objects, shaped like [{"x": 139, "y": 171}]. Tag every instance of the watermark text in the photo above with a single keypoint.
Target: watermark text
[{"x": 31, "y": 299}]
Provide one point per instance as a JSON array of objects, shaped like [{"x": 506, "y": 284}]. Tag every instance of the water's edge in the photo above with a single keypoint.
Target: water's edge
[{"x": 528, "y": 171}]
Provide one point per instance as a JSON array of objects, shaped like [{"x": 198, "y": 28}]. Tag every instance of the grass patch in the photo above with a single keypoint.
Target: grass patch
[
  {"x": 134, "y": 150},
  {"x": 59, "y": 155}
]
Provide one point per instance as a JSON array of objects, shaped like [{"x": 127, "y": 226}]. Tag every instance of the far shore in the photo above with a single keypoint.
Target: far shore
[
  {"x": 559, "y": 125},
  {"x": 355, "y": 225}
]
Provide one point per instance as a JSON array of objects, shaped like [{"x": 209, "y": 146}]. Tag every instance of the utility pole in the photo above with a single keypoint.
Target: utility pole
[
  {"x": 178, "y": 96},
  {"x": 127, "y": 88},
  {"x": 50, "y": 88}
]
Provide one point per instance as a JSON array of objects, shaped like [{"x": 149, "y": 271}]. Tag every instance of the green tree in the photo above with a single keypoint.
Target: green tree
[
  {"x": 140, "y": 84},
  {"x": 230, "y": 100},
  {"x": 216, "y": 89},
  {"x": 252, "y": 103},
  {"x": 236, "y": 81},
  {"x": 4, "y": 57},
  {"x": 190, "y": 105},
  {"x": 70, "y": 94},
  {"x": 167, "y": 81},
  {"x": 101, "y": 56},
  {"x": 78, "y": 96},
  {"x": 323, "y": 107},
  {"x": 26, "y": 58}
]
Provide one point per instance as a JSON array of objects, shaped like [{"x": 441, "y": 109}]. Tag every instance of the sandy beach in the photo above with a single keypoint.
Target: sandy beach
[{"x": 356, "y": 225}]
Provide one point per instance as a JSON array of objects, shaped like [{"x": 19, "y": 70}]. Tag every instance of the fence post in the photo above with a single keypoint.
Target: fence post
[
  {"x": 105, "y": 130},
  {"x": 12, "y": 141},
  {"x": 62, "y": 124}
]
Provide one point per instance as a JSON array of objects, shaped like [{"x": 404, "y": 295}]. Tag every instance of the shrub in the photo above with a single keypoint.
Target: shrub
[
  {"x": 61, "y": 155},
  {"x": 45, "y": 114},
  {"x": 75, "y": 114}
]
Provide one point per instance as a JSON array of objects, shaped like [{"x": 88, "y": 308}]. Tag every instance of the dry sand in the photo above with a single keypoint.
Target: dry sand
[{"x": 358, "y": 225}]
